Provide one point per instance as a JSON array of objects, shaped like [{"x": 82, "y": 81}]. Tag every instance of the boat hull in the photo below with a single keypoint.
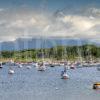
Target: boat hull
[
  {"x": 11, "y": 72},
  {"x": 64, "y": 76},
  {"x": 96, "y": 85}
]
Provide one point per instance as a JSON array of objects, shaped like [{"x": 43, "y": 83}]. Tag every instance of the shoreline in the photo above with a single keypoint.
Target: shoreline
[{"x": 3, "y": 60}]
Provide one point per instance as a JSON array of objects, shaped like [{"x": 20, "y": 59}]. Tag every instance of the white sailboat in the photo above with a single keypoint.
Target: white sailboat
[
  {"x": 64, "y": 75},
  {"x": 41, "y": 67}
]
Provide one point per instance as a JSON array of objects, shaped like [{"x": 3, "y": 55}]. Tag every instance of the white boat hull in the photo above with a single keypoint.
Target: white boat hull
[
  {"x": 11, "y": 72},
  {"x": 65, "y": 76}
]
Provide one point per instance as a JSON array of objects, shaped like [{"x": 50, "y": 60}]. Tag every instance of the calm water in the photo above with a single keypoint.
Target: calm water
[{"x": 30, "y": 84}]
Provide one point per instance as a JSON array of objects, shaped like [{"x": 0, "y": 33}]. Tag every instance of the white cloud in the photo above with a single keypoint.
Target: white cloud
[
  {"x": 16, "y": 24},
  {"x": 81, "y": 23}
]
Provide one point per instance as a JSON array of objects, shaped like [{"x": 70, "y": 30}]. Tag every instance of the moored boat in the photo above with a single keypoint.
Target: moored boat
[
  {"x": 35, "y": 64},
  {"x": 11, "y": 71},
  {"x": 28, "y": 67},
  {"x": 64, "y": 75},
  {"x": 41, "y": 68},
  {"x": 96, "y": 85},
  {"x": 19, "y": 65},
  {"x": 72, "y": 66}
]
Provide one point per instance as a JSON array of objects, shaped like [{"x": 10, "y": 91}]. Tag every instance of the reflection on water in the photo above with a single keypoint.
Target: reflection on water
[{"x": 34, "y": 85}]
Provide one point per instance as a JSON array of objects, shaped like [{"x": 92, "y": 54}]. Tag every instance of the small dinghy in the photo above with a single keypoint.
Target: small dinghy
[
  {"x": 11, "y": 71},
  {"x": 96, "y": 85}
]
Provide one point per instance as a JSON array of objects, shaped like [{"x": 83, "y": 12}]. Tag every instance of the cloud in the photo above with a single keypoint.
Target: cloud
[
  {"x": 1, "y": 9},
  {"x": 29, "y": 23}
]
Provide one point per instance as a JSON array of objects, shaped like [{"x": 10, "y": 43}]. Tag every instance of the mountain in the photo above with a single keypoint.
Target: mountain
[{"x": 40, "y": 42}]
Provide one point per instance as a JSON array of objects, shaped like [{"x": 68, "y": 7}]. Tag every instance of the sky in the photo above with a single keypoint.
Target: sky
[{"x": 49, "y": 18}]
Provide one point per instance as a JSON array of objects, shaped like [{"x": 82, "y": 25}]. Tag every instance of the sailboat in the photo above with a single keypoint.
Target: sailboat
[
  {"x": 64, "y": 63},
  {"x": 42, "y": 65},
  {"x": 64, "y": 75}
]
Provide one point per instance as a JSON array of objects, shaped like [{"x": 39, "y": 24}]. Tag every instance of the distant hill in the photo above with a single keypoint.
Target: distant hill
[{"x": 30, "y": 43}]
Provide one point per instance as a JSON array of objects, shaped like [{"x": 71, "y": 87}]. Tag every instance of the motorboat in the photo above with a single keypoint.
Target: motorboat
[
  {"x": 11, "y": 71},
  {"x": 96, "y": 85}
]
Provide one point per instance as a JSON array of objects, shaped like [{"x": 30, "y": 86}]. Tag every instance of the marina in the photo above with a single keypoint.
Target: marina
[{"x": 28, "y": 84}]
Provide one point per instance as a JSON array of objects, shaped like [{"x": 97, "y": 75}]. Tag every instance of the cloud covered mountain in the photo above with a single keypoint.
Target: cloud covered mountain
[{"x": 30, "y": 43}]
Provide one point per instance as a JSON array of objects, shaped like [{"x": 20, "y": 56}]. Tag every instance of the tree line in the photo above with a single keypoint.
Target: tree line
[{"x": 58, "y": 53}]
